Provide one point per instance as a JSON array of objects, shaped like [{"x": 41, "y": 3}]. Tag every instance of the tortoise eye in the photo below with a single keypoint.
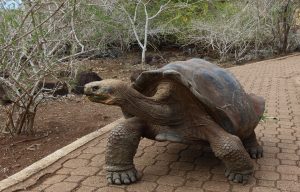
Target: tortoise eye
[{"x": 95, "y": 88}]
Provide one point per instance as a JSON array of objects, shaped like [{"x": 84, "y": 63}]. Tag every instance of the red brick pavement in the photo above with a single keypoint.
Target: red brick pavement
[{"x": 181, "y": 168}]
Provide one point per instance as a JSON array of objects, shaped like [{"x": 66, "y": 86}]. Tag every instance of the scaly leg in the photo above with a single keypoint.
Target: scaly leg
[
  {"x": 122, "y": 144},
  {"x": 252, "y": 146},
  {"x": 231, "y": 151}
]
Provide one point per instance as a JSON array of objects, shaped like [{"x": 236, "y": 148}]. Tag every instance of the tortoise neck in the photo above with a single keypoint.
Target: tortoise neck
[{"x": 154, "y": 109}]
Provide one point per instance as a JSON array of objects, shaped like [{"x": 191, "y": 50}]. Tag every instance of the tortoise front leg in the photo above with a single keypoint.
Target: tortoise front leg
[
  {"x": 253, "y": 147},
  {"x": 231, "y": 151},
  {"x": 121, "y": 147}
]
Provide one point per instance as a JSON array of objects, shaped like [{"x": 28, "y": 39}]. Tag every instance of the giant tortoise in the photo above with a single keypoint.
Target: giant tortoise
[{"x": 189, "y": 102}]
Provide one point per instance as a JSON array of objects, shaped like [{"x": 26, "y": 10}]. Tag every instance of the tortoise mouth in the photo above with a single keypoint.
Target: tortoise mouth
[{"x": 98, "y": 98}]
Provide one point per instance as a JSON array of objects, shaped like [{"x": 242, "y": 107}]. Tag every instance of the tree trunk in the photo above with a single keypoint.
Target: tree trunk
[
  {"x": 144, "y": 56},
  {"x": 20, "y": 121},
  {"x": 286, "y": 28}
]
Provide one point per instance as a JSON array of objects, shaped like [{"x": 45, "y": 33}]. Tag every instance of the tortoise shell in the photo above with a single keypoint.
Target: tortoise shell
[{"x": 217, "y": 89}]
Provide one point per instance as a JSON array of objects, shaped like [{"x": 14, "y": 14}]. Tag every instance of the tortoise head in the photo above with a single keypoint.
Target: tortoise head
[{"x": 107, "y": 91}]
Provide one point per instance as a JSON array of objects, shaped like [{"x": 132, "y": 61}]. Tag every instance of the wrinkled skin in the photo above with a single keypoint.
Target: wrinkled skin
[{"x": 187, "y": 102}]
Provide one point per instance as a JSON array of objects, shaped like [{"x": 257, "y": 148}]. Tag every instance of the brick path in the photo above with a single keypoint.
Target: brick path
[{"x": 181, "y": 168}]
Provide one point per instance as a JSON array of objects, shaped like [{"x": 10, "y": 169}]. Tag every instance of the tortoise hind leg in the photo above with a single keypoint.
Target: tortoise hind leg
[
  {"x": 254, "y": 149},
  {"x": 121, "y": 147},
  {"x": 231, "y": 151}
]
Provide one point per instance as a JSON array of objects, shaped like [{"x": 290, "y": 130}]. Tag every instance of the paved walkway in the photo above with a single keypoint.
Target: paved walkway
[{"x": 181, "y": 168}]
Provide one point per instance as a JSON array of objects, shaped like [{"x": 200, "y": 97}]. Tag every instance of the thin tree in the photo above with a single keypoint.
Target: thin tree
[{"x": 148, "y": 18}]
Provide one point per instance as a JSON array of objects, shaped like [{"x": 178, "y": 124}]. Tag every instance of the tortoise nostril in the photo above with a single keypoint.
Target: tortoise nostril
[{"x": 95, "y": 88}]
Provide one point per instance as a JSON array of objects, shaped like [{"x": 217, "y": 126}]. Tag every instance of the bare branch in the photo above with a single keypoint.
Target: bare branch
[
  {"x": 29, "y": 32},
  {"x": 133, "y": 26},
  {"x": 73, "y": 27},
  {"x": 162, "y": 8}
]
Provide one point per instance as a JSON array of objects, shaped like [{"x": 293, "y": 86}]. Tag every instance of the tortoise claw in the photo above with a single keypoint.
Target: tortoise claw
[
  {"x": 255, "y": 152},
  {"x": 122, "y": 177},
  {"x": 237, "y": 177}
]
